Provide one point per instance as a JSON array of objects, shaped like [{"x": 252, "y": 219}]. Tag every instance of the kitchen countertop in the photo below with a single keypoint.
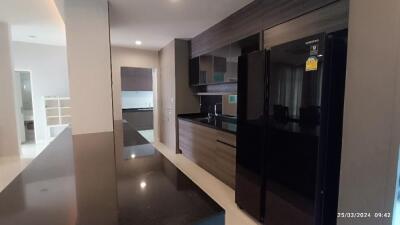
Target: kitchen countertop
[
  {"x": 223, "y": 123},
  {"x": 138, "y": 109},
  {"x": 93, "y": 179}
]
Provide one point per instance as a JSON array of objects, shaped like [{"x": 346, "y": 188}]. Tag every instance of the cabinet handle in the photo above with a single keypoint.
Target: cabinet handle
[{"x": 226, "y": 144}]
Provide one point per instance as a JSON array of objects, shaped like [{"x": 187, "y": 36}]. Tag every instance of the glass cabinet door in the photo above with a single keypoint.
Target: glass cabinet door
[{"x": 221, "y": 65}]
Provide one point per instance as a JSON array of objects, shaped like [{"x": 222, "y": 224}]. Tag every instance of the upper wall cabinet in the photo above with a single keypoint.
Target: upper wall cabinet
[
  {"x": 136, "y": 79},
  {"x": 221, "y": 66},
  {"x": 253, "y": 18}
]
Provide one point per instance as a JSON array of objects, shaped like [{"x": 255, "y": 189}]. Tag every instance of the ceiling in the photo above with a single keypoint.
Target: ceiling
[
  {"x": 154, "y": 22},
  {"x": 35, "y": 21},
  {"x": 157, "y": 22}
]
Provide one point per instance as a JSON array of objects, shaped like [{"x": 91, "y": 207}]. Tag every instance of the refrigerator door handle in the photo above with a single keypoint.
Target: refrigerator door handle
[{"x": 266, "y": 89}]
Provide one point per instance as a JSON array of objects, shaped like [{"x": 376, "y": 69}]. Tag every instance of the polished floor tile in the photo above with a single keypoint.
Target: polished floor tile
[
  {"x": 217, "y": 190},
  {"x": 10, "y": 167},
  {"x": 147, "y": 134},
  {"x": 81, "y": 180},
  {"x": 151, "y": 190},
  {"x": 32, "y": 150}
]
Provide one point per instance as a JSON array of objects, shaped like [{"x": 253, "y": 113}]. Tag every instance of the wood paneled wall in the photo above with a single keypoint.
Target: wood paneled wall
[
  {"x": 211, "y": 149},
  {"x": 253, "y": 18},
  {"x": 328, "y": 19}
]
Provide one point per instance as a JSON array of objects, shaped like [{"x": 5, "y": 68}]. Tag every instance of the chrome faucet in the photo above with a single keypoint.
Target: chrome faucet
[{"x": 215, "y": 108}]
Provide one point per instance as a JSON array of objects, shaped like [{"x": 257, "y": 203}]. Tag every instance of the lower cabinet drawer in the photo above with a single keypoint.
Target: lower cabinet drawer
[
  {"x": 210, "y": 149},
  {"x": 225, "y": 157}
]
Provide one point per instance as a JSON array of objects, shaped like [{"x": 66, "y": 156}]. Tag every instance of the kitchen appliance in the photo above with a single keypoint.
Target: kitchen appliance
[
  {"x": 251, "y": 133},
  {"x": 290, "y": 107}
]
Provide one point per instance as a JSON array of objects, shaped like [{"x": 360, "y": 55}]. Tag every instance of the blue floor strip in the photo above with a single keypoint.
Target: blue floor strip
[{"x": 218, "y": 219}]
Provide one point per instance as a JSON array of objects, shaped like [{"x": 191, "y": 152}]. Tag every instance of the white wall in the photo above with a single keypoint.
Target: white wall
[
  {"x": 137, "y": 99},
  {"x": 175, "y": 94},
  {"x": 88, "y": 49},
  {"x": 371, "y": 116},
  {"x": 128, "y": 57},
  {"x": 49, "y": 76},
  {"x": 8, "y": 121},
  {"x": 167, "y": 112}
]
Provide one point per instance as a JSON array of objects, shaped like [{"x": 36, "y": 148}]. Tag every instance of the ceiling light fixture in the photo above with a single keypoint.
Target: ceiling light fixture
[
  {"x": 143, "y": 185},
  {"x": 137, "y": 42},
  {"x": 133, "y": 156}
]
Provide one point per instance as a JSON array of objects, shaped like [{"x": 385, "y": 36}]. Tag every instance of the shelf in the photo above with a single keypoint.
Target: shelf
[
  {"x": 217, "y": 83},
  {"x": 51, "y": 98},
  {"x": 58, "y": 125},
  {"x": 57, "y": 110},
  {"x": 58, "y": 114}
]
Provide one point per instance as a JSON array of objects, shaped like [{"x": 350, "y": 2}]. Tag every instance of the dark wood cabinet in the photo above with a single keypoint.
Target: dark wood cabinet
[
  {"x": 213, "y": 150},
  {"x": 139, "y": 120},
  {"x": 253, "y": 18},
  {"x": 206, "y": 70},
  {"x": 221, "y": 66},
  {"x": 194, "y": 71},
  {"x": 136, "y": 79},
  {"x": 225, "y": 158}
]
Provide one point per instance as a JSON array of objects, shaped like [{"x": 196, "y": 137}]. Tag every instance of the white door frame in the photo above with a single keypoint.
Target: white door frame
[
  {"x": 155, "y": 105},
  {"x": 18, "y": 110}
]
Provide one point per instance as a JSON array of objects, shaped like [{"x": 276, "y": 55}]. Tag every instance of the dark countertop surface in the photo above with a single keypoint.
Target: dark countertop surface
[
  {"x": 223, "y": 123},
  {"x": 137, "y": 110},
  {"x": 92, "y": 179}
]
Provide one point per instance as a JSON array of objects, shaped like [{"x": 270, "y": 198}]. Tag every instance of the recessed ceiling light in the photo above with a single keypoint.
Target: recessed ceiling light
[
  {"x": 32, "y": 36},
  {"x": 143, "y": 185},
  {"x": 138, "y": 42}
]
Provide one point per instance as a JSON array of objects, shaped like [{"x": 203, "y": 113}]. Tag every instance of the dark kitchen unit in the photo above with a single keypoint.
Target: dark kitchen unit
[
  {"x": 208, "y": 137},
  {"x": 289, "y": 129},
  {"x": 210, "y": 142},
  {"x": 215, "y": 73}
]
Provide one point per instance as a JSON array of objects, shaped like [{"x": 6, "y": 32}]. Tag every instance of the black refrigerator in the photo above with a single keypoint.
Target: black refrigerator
[{"x": 290, "y": 110}]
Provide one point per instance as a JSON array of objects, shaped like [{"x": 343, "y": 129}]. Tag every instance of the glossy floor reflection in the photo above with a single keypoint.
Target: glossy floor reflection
[
  {"x": 83, "y": 181},
  {"x": 45, "y": 192},
  {"x": 10, "y": 167},
  {"x": 151, "y": 190}
]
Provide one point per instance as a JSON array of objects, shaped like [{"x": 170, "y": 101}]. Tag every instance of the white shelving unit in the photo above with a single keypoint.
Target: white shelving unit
[{"x": 58, "y": 114}]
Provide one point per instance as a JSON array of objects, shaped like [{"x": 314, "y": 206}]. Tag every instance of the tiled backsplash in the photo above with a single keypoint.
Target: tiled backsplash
[
  {"x": 229, "y": 105},
  {"x": 136, "y": 99},
  {"x": 208, "y": 102},
  {"x": 226, "y": 104}
]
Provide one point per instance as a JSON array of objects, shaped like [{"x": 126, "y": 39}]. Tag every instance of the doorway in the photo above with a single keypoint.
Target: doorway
[
  {"x": 396, "y": 209},
  {"x": 137, "y": 100},
  {"x": 24, "y": 107}
]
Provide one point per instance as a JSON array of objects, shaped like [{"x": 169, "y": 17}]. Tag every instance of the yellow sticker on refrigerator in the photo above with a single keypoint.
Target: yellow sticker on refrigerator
[{"x": 312, "y": 63}]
